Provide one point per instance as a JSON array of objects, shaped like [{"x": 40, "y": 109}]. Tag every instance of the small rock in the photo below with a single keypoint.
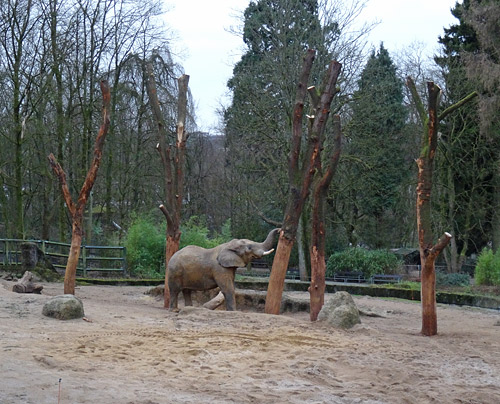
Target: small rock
[
  {"x": 64, "y": 307},
  {"x": 340, "y": 311}
]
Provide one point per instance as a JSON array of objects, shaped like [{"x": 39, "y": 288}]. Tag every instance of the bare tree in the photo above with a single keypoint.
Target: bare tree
[
  {"x": 173, "y": 165},
  {"x": 318, "y": 232},
  {"x": 300, "y": 175},
  {"x": 76, "y": 210},
  {"x": 425, "y": 163}
]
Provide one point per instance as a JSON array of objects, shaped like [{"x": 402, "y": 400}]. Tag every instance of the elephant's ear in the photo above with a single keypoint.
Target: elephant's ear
[{"x": 229, "y": 259}]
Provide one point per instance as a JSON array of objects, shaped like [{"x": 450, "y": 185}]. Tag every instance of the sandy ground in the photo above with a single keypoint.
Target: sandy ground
[{"x": 133, "y": 351}]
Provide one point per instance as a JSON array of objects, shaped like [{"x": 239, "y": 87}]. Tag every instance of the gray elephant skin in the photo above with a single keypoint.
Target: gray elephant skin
[{"x": 197, "y": 268}]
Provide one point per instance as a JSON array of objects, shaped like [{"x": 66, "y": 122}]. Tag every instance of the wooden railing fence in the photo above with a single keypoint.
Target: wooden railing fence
[{"x": 92, "y": 258}]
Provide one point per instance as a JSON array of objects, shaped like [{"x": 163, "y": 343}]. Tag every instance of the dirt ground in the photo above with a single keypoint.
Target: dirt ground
[{"x": 133, "y": 351}]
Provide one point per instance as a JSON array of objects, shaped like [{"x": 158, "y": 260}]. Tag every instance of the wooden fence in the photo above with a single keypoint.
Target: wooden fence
[{"x": 92, "y": 258}]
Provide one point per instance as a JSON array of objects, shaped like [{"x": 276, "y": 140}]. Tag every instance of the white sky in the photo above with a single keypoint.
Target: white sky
[{"x": 208, "y": 51}]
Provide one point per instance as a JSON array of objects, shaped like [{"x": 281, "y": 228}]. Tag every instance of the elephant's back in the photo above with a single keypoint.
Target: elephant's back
[{"x": 189, "y": 256}]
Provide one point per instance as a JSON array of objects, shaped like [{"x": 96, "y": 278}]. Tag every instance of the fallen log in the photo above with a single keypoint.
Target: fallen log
[
  {"x": 215, "y": 302},
  {"x": 26, "y": 285}
]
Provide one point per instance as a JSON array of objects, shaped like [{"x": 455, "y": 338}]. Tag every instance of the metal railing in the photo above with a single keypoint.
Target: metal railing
[{"x": 92, "y": 258}]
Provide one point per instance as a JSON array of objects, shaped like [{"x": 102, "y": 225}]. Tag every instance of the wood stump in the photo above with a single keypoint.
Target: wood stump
[{"x": 26, "y": 285}]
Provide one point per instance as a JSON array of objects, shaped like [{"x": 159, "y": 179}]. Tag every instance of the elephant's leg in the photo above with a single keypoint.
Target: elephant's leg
[
  {"x": 230, "y": 300},
  {"x": 174, "y": 293},
  {"x": 226, "y": 285},
  {"x": 187, "y": 297}
]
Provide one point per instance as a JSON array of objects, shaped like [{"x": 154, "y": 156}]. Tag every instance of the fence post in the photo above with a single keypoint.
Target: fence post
[
  {"x": 125, "y": 272},
  {"x": 6, "y": 253},
  {"x": 84, "y": 260}
]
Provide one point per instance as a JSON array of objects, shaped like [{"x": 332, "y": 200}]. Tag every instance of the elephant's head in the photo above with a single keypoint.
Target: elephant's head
[{"x": 239, "y": 252}]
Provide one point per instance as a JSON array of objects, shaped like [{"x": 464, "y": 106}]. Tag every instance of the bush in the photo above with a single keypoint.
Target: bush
[
  {"x": 195, "y": 232},
  {"x": 369, "y": 262},
  {"x": 145, "y": 249},
  {"x": 444, "y": 279},
  {"x": 146, "y": 243},
  {"x": 487, "y": 270}
]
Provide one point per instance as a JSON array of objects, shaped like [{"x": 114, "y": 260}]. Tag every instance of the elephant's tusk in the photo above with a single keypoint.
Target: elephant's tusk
[{"x": 268, "y": 252}]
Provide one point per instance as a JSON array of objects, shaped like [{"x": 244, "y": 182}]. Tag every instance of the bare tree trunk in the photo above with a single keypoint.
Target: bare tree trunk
[
  {"x": 318, "y": 233},
  {"x": 171, "y": 248},
  {"x": 301, "y": 250},
  {"x": 428, "y": 253},
  {"x": 173, "y": 166},
  {"x": 300, "y": 176},
  {"x": 77, "y": 210},
  {"x": 74, "y": 255},
  {"x": 278, "y": 273}
]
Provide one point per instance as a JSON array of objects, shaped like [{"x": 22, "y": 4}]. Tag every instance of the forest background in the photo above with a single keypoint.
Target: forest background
[{"x": 53, "y": 54}]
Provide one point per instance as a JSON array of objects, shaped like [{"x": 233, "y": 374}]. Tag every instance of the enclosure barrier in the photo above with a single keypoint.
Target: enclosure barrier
[{"x": 92, "y": 258}]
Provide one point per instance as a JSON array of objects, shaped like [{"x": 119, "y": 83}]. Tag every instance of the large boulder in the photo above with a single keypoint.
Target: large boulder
[
  {"x": 340, "y": 311},
  {"x": 64, "y": 307}
]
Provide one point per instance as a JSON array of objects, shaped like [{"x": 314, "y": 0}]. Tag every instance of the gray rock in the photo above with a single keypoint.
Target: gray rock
[
  {"x": 64, "y": 307},
  {"x": 340, "y": 311}
]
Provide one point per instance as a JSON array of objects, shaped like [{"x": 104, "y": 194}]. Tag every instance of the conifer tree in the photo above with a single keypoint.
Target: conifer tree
[{"x": 376, "y": 143}]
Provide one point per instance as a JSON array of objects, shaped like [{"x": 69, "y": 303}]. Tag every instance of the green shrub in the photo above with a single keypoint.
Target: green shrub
[
  {"x": 195, "y": 232},
  {"x": 487, "y": 270},
  {"x": 146, "y": 243},
  {"x": 444, "y": 279},
  {"x": 369, "y": 262},
  {"x": 145, "y": 249}
]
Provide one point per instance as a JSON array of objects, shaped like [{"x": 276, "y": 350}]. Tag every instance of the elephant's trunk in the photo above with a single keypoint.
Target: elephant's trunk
[{"x": 269, "y": 241}]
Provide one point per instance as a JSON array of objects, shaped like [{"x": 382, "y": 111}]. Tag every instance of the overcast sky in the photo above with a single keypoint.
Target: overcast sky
[{"x": 208, "y": 51}]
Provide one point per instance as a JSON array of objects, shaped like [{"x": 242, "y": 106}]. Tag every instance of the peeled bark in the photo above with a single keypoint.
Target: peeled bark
[
  {"x": 428, "y": 286},
  {"x": 278, "y": 274},
  {"x": 171, "y": 248}
]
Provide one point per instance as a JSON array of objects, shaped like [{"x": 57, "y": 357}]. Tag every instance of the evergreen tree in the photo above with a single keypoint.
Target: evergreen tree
[
  {"x": 376, "y": 179},
  {"x": 483, "y": 65},
  {"x": 277, "y": 34},
  {"x": 464, "y": 162}
]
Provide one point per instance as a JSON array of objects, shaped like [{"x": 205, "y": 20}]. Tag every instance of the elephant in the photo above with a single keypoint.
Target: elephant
[{"x": 196, "y": 268}]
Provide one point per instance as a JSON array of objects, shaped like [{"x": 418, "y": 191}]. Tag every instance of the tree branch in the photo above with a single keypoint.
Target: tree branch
[
  {"x": 162, "y": 148},
  {"x": 297, "y": 115},
  {"x": 99, "y": 144},
  {"x": 441, "y": 244},
  {"x": 183, "y": 82},
  {"x": 416, "y": 99},
  {"x": 263, "y": 216},
  {"x": 316, "y": 132},
  {"x": 61, "y": 175},
  {"x": 166, "y": 213},
  {"x": 332, "y": 166},
  {"x": 457, "y": 105},
  {"x": 314, "y": 96}
]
